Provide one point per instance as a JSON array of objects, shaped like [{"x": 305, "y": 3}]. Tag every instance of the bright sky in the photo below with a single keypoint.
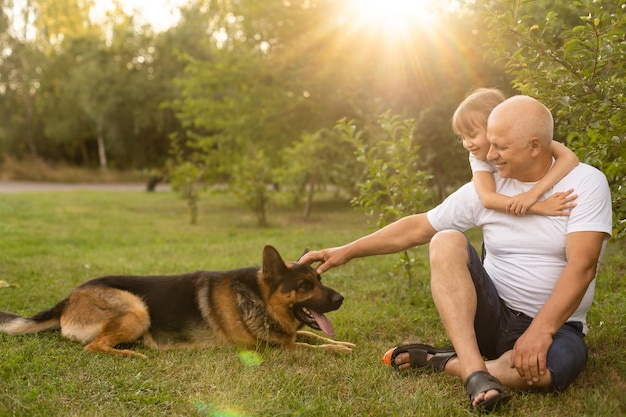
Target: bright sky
[
  {"x": 393, "y": 18},
  {"x": 161, "y": 14},
  {"x": 389, "y": 15}
]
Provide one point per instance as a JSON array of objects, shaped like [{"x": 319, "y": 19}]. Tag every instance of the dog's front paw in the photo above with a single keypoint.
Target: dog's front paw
[{"x": 342, "y": 347}]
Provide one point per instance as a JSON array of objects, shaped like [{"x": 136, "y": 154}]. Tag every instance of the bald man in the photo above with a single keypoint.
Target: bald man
[{"x": 517, "y": 319}]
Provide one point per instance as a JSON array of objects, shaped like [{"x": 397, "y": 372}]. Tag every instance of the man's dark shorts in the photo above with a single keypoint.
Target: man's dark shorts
[{"x": 498, "y": 327}]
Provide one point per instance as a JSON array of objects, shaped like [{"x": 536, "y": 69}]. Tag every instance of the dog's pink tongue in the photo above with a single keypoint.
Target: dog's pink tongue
[{"x": 323, "y": 322}]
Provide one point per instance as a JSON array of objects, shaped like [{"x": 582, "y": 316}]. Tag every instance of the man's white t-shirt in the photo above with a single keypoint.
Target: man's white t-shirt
[{"x": 525, "y": 255}]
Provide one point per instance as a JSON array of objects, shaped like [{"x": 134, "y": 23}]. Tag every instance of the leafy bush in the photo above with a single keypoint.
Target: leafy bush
[
  {"x": 251, "y": 184},
  {"x": 394, "y": 186}
]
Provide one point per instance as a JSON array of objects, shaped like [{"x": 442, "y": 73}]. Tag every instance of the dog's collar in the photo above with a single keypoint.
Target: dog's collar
[{"x": 273, "y": 326}]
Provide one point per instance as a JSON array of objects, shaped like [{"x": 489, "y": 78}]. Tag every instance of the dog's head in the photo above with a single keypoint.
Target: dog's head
[{"x": 300, "y": 288}]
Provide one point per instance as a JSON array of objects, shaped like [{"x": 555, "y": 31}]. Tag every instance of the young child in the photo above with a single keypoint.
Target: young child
[{"x": 470, "y": 123}]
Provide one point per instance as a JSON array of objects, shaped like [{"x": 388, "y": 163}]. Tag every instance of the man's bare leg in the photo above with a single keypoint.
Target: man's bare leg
[{"x": 454, "y": 295}]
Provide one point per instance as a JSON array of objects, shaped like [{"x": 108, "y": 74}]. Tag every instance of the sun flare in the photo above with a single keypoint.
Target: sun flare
[{"x": 394, "y": 16}]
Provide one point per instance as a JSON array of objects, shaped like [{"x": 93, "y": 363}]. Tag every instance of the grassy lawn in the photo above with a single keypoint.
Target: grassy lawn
[{"x": 49, "y": 243}]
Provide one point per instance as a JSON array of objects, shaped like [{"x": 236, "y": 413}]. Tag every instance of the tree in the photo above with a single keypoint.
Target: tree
[
  {"x": 317, "y": 161},
  {"x": 234, "y": 78},
  {"x": 249, "y": 97},
  {"x": 250, "y": 184},
  {"x": 20, "y": 63},
  {"x": 66, "y": 125},
  {"x": 280, "y": 69},
  {"x": 571, "y": 57},
  {"x": 393, "y": 186},
  {"x": 72, "y": 85},
  {"x": 56, "y": 20},
  {"x": 19, "y": 80}
]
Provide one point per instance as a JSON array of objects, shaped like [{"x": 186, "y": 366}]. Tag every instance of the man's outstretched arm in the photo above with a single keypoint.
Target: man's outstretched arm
[{"x": 407, "y": 232}]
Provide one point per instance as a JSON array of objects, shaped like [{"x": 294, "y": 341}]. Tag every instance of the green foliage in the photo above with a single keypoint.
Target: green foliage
[
  {"x": 187, "y": 177},
  {"x": 73, "y": 94},
  {"x": 228, "y": 76},
  {"x": 251, "y": 181},
  {"x": 394, "y": 186},
  {"x": 315, "y": 162},
  {"x": 286, "y": 70},
  {"x": 233, "y": 75},
  {"x": 571, "y": 56},
  {"x": 302, "y": 168}
]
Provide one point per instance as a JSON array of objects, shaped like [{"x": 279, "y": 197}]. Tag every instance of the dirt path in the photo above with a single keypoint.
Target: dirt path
[{"x": 12, "y": 187}]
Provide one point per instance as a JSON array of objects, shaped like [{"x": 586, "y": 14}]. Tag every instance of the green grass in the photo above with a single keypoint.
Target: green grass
[{"x": 49, "y": 243}]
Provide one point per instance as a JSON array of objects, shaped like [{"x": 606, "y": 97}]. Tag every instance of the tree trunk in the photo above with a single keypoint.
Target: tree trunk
[
  {"x": 309, "y": 200},
  {"x": 84, "y": 152},
  {"x": 261, "y": 213},
  {"x": 102, "y": 154},
  {"x": 29, "y": 105}
]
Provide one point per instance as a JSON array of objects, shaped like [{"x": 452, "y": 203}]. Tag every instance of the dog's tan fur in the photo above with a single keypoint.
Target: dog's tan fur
[{"x": 247, "y": 307}]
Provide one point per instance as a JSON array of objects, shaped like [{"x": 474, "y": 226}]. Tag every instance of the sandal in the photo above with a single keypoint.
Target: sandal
[
  {"x": 481, "y": 381},
  {"x": 418, "y": 356}
]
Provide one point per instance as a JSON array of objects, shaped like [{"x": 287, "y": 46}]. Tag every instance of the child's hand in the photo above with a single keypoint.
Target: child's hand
[
  {"x": 558, "y": 204},
  {"x": 520, "y": 203}
]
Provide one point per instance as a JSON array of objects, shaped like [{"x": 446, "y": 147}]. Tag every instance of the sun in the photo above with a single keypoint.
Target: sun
[{"x": 396, "y": 16}]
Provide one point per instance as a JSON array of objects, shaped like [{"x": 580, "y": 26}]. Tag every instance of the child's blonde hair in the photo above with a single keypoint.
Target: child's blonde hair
[{"x": 474, "y": 110}]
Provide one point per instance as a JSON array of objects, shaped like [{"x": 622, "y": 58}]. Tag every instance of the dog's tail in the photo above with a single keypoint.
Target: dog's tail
[{"x": 45, "y": 320}]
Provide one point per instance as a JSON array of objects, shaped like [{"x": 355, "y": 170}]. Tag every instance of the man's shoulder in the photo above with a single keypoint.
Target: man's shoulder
[
  {"x": 458, "y": 211},
  {"x": 587, "y": 168},
  {"x": 466, "y": 190},
  {"x": 593, "y": 210},
  {"x": 466, "y": 193},
  {"x": 583, "y": 170}
]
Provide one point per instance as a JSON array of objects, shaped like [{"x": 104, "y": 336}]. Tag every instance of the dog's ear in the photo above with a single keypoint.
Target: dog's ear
[
  {"x": 273, "y": 264},
  {"x": 306, "y": 250}
]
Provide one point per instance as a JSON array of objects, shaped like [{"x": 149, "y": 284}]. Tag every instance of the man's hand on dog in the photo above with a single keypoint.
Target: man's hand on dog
[{"x": 327, "y": 258}]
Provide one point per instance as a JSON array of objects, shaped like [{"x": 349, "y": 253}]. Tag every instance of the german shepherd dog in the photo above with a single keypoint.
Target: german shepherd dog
[{"x": 248, "y": 307}]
